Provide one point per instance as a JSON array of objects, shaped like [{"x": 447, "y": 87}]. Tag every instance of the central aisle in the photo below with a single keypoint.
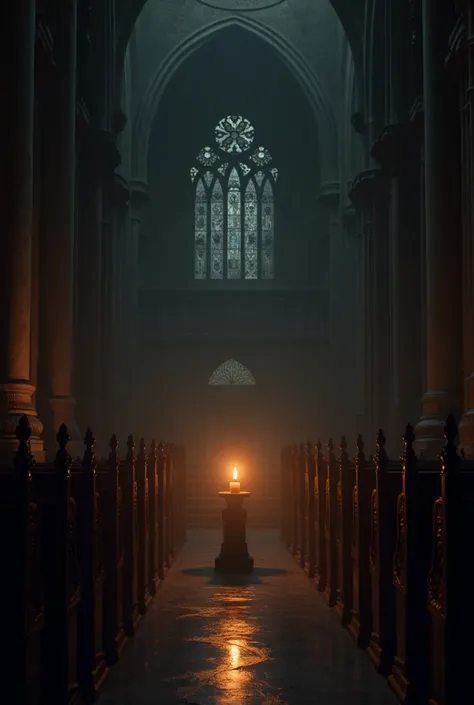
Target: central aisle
[{"x": 265, "y": 639}]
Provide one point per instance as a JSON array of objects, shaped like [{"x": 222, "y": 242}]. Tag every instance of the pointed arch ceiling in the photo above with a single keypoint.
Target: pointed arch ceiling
[
  {"x": 241, "y": 5},
  {"x": 292, "y": 59},
  {"x": 351, "y": 14}
]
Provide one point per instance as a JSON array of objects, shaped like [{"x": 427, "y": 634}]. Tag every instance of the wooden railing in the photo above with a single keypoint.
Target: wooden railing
[
  {"x": 389, "y": 544},
  {"x": 84, "y": 549}
]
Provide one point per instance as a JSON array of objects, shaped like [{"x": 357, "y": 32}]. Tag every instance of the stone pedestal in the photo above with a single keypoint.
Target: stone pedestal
[{"x": 234, "y": 557}]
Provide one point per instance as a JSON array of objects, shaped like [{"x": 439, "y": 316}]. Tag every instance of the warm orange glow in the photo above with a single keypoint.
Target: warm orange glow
[{"x": 234, "y": 484}]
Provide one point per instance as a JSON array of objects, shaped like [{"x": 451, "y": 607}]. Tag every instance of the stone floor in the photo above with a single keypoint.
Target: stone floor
[{"x": 266, "y": 639}]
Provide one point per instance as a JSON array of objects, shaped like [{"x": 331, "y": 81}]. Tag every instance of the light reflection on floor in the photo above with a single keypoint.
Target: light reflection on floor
[{"x": 265, "y": 639}]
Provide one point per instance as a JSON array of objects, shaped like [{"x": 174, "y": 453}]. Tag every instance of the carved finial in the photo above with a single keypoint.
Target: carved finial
[
  {"x": 161, "y": 448},
  {"x": 343, "y": 445},
  {"x": 130, "y": 445},
  {"x": 319, "y": 446},
  {"x": 89, "y": 442},
  {"x": 409, "y": 439},
  {"x": 450, "y": 430},
  {"x": 330, "y": 446},
  {"x": 23, "y": 457},
  {"x": 153, "y": 446},
  {"x": 63, "y": 459},
  {"x": 360, "y": 443},
  {"x": 142, "y": 445},
  {"x": 23, "y": 433},
  {"x": 450, "y": 452},
  {"x": 62, "y": 436},
  {"x": 113, "y": 443},
  {"x": 381, "y": 441}
]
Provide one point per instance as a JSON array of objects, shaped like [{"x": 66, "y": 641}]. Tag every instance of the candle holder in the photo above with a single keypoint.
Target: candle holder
[{"x": 234, "y": 557}]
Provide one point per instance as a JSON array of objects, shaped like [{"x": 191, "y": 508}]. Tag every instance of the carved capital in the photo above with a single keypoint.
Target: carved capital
[
  {"x": 367, "y": 187},
  {"x": 119, "y": 191},
  {"x": 139, "y": 195}
]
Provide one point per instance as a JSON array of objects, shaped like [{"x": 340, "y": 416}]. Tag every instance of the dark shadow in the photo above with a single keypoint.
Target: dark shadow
[{"x": 254, "y": 578}]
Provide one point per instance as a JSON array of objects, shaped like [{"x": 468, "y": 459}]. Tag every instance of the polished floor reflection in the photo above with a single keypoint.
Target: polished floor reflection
[{"x": 264, "y": 639}]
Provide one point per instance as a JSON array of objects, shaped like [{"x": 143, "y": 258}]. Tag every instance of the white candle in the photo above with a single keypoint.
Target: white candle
[{"x": 234, "y": 484}]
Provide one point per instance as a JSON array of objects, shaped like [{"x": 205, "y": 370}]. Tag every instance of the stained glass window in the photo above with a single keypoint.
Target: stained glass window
[
  {"x": 217, "y": 232},
  {"x": 251, "y": 231},
  {"x": 261, "y": 156},
  {"x": 231, "y": 372},
  {"x": 234, "y": 227},
  {"x": 267, "y": 231},
  {"x": 234, "y": 134},
  {"x": 200, "y": 232}
]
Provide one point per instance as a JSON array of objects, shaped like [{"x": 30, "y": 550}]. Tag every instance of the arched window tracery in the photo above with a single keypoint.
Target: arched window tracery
[{"x": 234, "y": 230}]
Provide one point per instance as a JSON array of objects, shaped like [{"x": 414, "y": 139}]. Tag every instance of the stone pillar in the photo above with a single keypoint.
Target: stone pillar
[
  {"x": 116, "y": 365},
  {"x": 16, "y": 390},
  {"x": 396, "y": 150},
  {"x": 139, "y": 198},
  {"x": 58, "y": 229},
  {"x": 369, "y": 196},
  {"x": 443, "y": 303},
  {"x": 98, "y": 157},
  {"x": 466, "y": 427},
  {"x": 342, "y": 360}
]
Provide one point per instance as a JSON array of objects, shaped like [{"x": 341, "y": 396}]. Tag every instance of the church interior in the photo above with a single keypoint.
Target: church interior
[{"x": 238, "y": 248}]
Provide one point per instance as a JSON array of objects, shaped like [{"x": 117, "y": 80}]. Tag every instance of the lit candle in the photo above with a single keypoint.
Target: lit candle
[{"x": 234, "y": 485}]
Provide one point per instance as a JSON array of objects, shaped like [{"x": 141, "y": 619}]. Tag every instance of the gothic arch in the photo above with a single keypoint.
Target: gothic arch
[
  {"x": 231, "y": 373},
  {"x": 308, "y": 81},
  {"x": 349, "y": 12}
]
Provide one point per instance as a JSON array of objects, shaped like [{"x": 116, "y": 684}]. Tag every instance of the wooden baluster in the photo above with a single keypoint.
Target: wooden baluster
[
  {"x": 311, "y": 532},
  {"x": 143, "y": 528},
  {"x": 344, "y": 494},
  {"x": 161, "y": 510},
  {"x": 153, "y": 504},
  {"x": 91, "y": 661},
  {"x": 114, "y": 634},
  {"x": 301, "y": 488},
  {"x": 320, "y": 511},
  {"x": 330, "y": 525},
  {"x": 130, "y": 535}
]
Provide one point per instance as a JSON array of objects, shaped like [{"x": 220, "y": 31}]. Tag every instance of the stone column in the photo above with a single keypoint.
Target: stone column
[
  {"x": 342, "y": 360},
  {"x": 16, "y": 390},
  {"x": 443, "y": 303},
  {"x": 396, "y": 150},
  {"x": 369, "y": 196},
  {"x": 466, "y": 427},
  {"x": 99, "y": 157},
  {"x": 139, "y": 198},
  {"x": 58, "y": 228},
  {"x": 116, "y": 366}
]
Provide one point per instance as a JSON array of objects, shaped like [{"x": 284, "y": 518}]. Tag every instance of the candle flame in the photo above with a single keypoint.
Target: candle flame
[{"x": 235, "y": 474}]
